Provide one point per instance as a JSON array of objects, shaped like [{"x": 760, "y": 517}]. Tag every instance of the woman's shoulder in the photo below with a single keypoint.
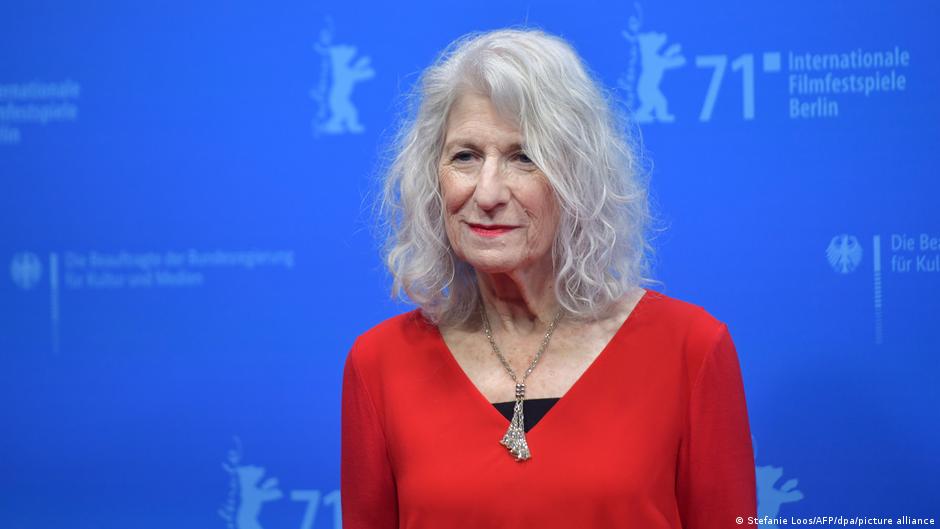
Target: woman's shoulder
[
  {"x": 678, "y": 308},
  {"x": 396, "y": 333},
  {"x": 406, "y": 325},
  {"x": 680, "y": 317},
  {"x": 689, "y": 327}
]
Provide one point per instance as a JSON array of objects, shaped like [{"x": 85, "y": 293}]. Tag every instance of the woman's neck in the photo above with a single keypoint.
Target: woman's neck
[{"x": 518, "y": 303}]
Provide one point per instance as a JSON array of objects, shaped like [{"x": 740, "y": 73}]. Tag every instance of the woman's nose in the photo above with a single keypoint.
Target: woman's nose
[{"x": 491, "y": 189}]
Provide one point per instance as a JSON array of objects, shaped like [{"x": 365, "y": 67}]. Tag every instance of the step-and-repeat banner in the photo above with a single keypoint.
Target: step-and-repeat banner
[{"x": 187, "y": 247}]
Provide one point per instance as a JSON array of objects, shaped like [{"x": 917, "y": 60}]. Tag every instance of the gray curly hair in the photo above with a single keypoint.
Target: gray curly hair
[{"x": 573, "y": 133}]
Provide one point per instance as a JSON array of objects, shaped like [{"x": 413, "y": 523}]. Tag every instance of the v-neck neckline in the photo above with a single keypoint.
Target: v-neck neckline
[{"x": 572, "y": 391}]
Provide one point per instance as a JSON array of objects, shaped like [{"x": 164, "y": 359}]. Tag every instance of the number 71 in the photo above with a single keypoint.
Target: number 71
[{"x": 718, "y": 63}]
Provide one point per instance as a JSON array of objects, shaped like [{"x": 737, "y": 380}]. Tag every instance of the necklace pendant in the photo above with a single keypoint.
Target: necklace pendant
[{"x": 514, "y": 439}]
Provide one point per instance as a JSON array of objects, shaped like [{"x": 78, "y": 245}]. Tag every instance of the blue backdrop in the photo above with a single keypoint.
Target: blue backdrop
[{"x": 187, "y": 252}]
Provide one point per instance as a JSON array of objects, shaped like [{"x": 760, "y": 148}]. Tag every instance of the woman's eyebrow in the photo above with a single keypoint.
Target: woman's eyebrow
[
  {"x": 468, "y": 143},
  {"x": 460, "y": 142}
]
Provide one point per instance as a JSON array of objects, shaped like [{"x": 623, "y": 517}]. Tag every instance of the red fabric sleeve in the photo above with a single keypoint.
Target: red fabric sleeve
[
  {"x": 368, "y": 494},
  {"x": 716, "y": 481}
]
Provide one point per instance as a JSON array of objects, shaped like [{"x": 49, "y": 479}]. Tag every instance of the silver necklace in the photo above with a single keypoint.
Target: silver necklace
[{"x": 514, "y": 439}]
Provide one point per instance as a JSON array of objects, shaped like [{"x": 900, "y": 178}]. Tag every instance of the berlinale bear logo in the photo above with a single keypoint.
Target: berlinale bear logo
[
  {"x": 246, "y": 495},
  {"x": 646, "y": 53},
  {"x": 336, "y": 113}
]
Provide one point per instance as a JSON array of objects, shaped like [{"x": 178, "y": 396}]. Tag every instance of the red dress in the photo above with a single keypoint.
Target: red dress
[{"x": 654, "y": 434}]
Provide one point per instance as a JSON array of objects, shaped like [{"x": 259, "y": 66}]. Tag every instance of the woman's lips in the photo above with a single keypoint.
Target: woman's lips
[{"x": 494, "y": 230}]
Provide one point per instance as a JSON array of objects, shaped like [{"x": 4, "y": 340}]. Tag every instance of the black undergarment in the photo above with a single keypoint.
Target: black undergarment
[{"x": 532, "y": 410}]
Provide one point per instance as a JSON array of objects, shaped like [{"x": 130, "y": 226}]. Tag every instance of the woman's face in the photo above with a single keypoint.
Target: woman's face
[{"x": 500, "y": 211}]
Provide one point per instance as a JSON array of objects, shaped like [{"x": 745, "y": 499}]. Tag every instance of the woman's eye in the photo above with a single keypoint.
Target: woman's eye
[
  {"x": 522, "y": 157},
  {"x": 463, "y": 156}
]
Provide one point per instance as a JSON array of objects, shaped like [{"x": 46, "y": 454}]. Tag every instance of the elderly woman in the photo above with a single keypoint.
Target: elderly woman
[{"x": 536, "y": 384}]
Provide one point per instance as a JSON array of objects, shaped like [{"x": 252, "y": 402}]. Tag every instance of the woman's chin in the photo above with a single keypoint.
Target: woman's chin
[{"x": 493, "y": 264}]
